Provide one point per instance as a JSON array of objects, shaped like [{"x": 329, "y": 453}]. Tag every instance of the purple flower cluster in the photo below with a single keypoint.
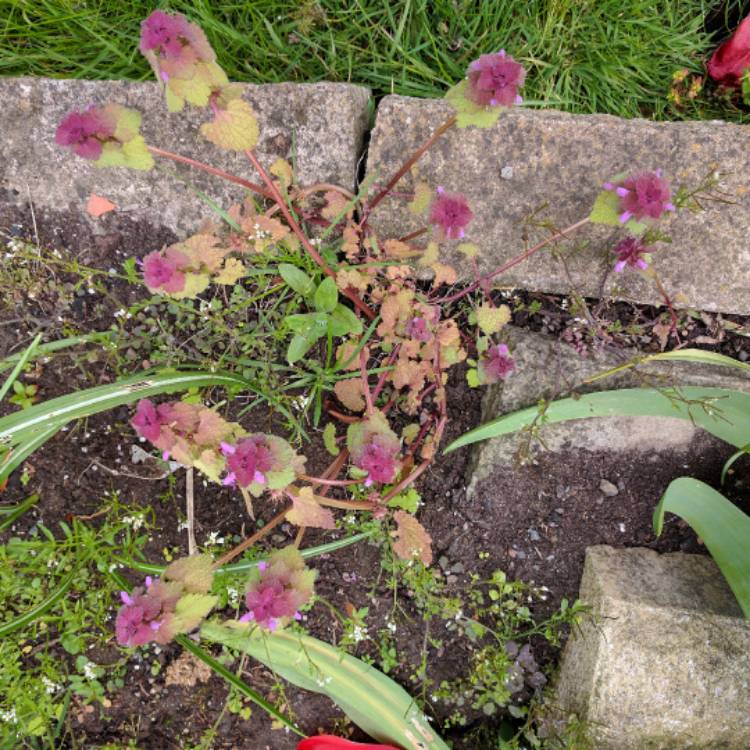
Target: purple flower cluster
[
  {"x": 144, "y": 613},
  {"x": 632, "y": 252},
  {"x": 642, "y": 196},
  {"x": 248, "y": 461},
  {"x": 165, "y": 270},
  {"x": 450, "y": 214},
  {"x": 494, "y": 80},
  {"x": 378, "y": 459},
  {"x": 85, "y": 132},
  {"x": 496, "y": 364},
  {"x": 278, "y": 589}
]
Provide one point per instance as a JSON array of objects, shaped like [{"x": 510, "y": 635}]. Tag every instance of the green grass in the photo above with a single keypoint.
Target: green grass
[{"x": 583, "y": 55}]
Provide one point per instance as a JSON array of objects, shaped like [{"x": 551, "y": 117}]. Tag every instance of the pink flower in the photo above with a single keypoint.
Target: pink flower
[
  {"x": 643, "y": 196},
  {"x": 378, "y": 458},
  {"x": 277, "y": 591},
  {"x": 138, "y": 619},
  {"x": 163, "y": 271},
  {"x": 163, "y": 32},
  {"x": 732, "y": 59},
  {"x": 632, "y": 252},
  {"x": 496, "y": 364},
  {"x": 451, "y": 214},
  {"x": 495, "y": 80},
  {"x": 250, "y": 460},
  {"x": 146, "y": 420},
  {"x": 84, "y": 132},
  {"x": 418, "y": 329}
]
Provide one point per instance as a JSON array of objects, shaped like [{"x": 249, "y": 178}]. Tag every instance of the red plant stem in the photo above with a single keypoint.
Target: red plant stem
[
  {"x": 344, "y": 504},
  {"x": 365, "y": 384},
  {"x": 243, "y": 545},
  {"x": 562, "y": 234},
  {"x": 407, "y": 165},
  {"x": 330, "y": 482},
  {"x": 668, "y": 301},
  {"x": 413, "y": 235},
  {"x": 312, "y": 252},
  {"x": 383, "y": 375},
  {"x": 346, "y": 418},
  {"x": 211, "y": 170}
]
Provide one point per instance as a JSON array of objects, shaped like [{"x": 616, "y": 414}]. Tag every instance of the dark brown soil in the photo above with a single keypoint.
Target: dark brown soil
[{"x": 534, "y": 523}]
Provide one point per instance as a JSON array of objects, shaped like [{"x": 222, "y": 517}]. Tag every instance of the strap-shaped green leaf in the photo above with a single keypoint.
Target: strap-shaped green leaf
[
  {"x": 377, "y": 704},
  {"x": 723, "y": 527}
]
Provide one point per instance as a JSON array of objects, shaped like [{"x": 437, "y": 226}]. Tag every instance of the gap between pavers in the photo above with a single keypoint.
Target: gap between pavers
[
  {"x": 531, "y": 158},
  {"x": 545, "y": 366},
  {"x": 322, "y": 124},
  {"x": 664, "y": 659}
]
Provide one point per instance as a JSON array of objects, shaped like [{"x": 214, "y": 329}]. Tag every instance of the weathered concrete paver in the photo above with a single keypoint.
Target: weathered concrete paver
[
  {"x": 664, "y": 662},
  {"x": 560, "y": 160},
  {"x": 323, "y": 124},
  {"x": 545, "y": 366}
]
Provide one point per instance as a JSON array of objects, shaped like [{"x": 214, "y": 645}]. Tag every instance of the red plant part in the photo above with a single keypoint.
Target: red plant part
[
  {"x": 632, "y": 252},
  {"x": 732, "y": 59},
  {"x": 450, "y": 213},
  {"x": 328, "y": 742},
  {"x": 85, "y": 132}
]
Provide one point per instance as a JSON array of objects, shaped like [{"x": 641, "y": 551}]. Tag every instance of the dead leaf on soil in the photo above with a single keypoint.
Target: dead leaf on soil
[
  {"x": 187, "y": 671},
  {"x": 98, "y": 206}
]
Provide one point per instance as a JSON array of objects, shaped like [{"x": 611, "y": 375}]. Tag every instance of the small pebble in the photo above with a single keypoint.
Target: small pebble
[
  {"x": 534, "y": 535},
  {"x": 609, "y": 489}
]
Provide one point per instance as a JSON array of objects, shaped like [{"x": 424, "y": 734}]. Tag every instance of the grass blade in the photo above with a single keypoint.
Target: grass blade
[
  {"x": 22, "y": 360},
  {"x": 724, "y": 528},
  {"x": 98, "y": 337},
  {"x": 14, "y": 512}
]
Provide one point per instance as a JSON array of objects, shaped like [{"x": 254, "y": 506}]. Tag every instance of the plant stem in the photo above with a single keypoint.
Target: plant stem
[
  {"x": 295, "y": 227},
  {"x": 562, "y": 234},
  {"x": 407, "y": 165},
  {"x": 330, "y": 482},
  {"x": 243, "y": 545},
  {"x": 211, "y": 170}
]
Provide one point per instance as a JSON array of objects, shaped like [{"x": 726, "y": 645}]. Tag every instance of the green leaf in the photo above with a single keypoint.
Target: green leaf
[
  {"x": 326, "y": 295},
  {"x": 343, "y": 321},
  {"x": 234, "y": 128},
  {"x": 22, "y": 360},
  {"x": 296, "y": 279},
  {"x": 309, "y": 325},
  {"x": 190, "y": 611},
  {"x": 606, "y": 210},
  {"x": 378, "y": 705},
  {"x": 407, "y": 500},
  {"x": 723, "y": 527},
  {"x": 722, "y": 412},
  {"x": 467, "y": 112},
  {"x": 329, "y": 439},
  {"x": 731, "y": 460},
  {"x": 746, "y": 86},
  {"x": 298, "y": 347}
]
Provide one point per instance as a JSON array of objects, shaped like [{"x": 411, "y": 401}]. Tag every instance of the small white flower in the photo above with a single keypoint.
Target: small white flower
[
  {"x": 214, "y": 538},
  {"x": 89, "y": 670},
  {"x": 359, "y": 633},
  {"x": 9, "y": 716},
  {"x": 49, "y": 686}
]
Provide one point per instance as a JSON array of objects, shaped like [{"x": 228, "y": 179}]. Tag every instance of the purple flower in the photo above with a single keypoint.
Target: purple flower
[
  {"x": 378, "y": 458},
  {"x": 84, "y": 132},
  {"x": 643, "y": 196},
  {"x": 163, "y": 271},
  {"x": 632, "y": 252},
  {"x": 450, "y": 214},
  {"x": 495, "y": 79},
  {"x": 146, "y": 420},
  {"x": 278, "y": 589},
  {"x": 418, "y": 329},
  {"x": 496, "y": 364},
  {"x": 137, "y": 620},
  {"x": 250, "y": 461},
  {"x": 164, "y": 32}
]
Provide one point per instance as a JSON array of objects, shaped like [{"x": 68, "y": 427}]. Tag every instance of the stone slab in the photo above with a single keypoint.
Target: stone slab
[
  {"x": 323, "y": 124},
  {"x": 663, "y": 663},
  {"x": 560, "y": 160},
  {"x": 545, "y": 366}
]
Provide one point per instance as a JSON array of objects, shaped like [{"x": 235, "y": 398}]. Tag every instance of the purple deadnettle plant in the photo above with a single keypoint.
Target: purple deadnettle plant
[
  {"x": 496, "y": 364},
  {"x": 632, "y": 252},
  {"x": 643, "y": 196},
  {"x": 450, "y": 214},
  {"x": 494, "y": 80},
  {"x": 277, "y": 589}
]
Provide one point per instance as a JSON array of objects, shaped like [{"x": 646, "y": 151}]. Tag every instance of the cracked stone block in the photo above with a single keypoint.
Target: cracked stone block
[
  {"x": 542, "y": 158},
  {"x": 664, "y": 661},
  {"x": 322, "y": 125},
  {"x": 545, "y": 366}
]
